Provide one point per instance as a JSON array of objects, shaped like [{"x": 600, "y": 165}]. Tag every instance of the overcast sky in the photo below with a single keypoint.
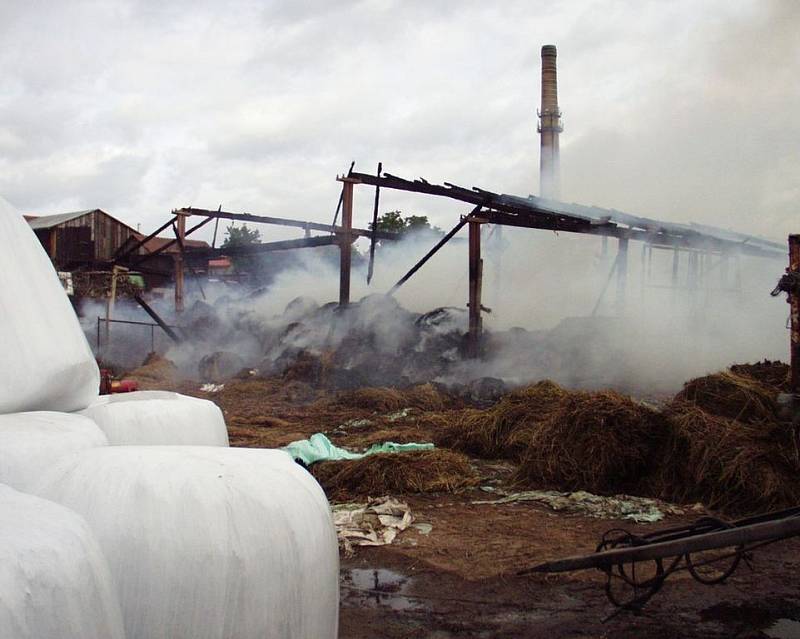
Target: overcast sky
[{"x": 683, "y": 110}]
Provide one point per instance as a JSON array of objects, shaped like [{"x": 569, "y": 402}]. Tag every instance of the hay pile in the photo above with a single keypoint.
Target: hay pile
[
  {"x": 504, "y": 429},
  {"x": 155, "y": 373},
  {"x": 728, "y": 465},
  {"x": 737, "y": 397},
  {"x": 424, "y": 471},
  {"x": 602, "y": 442},
  {"x": 426, "y": 397},
  {"x": 775, "y": 374},
  {"x": 309, "y": 368}
]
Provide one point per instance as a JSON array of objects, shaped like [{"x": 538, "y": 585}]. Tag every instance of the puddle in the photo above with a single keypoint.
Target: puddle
[
  {"x": 377, "y": 587},
  {"x": 784, "y": 629}
]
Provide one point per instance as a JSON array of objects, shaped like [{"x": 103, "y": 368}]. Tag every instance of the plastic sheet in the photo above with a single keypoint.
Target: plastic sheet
[
  {"x": 54, "y": 580},
  {"x": 207, "y": 543},
  {"x": 158, "y": 417},
  {"x": 30, "y": 443},
  {"x": 47, "y": 363},
  {"x": 319, "y": 448}
]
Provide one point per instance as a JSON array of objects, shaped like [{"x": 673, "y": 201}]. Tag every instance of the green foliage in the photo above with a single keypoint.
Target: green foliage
[
  {"x": 394, "y": 222},
  {"x": 242, "y": 236}
]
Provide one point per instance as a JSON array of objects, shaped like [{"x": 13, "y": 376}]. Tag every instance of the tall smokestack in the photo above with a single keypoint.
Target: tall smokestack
[{"x": 549, "y": 127}]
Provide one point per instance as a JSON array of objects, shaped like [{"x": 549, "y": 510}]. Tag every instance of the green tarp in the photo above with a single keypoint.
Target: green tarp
[{"x": 319, "y": 448}]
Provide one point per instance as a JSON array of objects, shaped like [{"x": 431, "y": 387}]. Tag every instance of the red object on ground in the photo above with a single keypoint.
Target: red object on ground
[
  {"x": 109, "y": 386},
  {"x": 124, "y": 386}
]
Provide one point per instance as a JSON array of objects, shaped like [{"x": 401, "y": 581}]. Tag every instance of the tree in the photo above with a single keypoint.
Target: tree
[
  {"x": 393, "y": 221},
  {"x": 242, "y": 236}
]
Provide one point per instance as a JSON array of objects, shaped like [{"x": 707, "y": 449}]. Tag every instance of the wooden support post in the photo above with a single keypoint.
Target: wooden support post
[
  {"x": 346, "y": 241},
  {"x": 179, "y": 262},
  {"x": 112, "y": 299},
  {"x": 794, "y": 302},
  {"x": 475, "y": 281},
  {"x": 675, "y": 261},
  {"x": 622, "y": 274}
]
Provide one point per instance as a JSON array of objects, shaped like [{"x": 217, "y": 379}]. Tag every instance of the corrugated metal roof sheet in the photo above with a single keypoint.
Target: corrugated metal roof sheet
[{"x": 49, "y": 221}]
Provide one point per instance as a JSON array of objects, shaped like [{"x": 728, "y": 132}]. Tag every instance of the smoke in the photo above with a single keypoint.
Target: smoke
[{"x": 548, "y": 317}]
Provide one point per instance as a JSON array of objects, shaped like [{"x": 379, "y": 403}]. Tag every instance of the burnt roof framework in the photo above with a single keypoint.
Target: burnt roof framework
[{"x": 539, "y": 213}]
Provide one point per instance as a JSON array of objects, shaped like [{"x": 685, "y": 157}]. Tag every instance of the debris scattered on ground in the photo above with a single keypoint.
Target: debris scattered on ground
[
  {"x": 318, "y": 448},
  {"x": 642, "y": 510},
  {"x": 401, "y": 414},
  {"x": 376, "y": 523},
  {"x": 424, "y": 471},
  {"x": 212, "y": 388}
]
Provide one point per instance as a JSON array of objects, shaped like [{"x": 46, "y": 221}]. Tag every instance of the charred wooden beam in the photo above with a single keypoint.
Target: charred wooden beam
[
  {"x": 433, "y": 251},
  {"x": 794, "y": 302},
  {"x": 128, "y": 250},
  {"x": 537, "y": 213},
  {"x": 374, "y": 228},
  {"x": 622, "y": 274},
  {"x": 180, "y": 235},
  {"x": 265, "y": 247},
  {"x": 157, "y": 319},
  {"x": 475, "y": 281},
  {"x": 171, "y": 243},
  {"x": 283, "y": 221},
  {"x": 345, "y": 242}
]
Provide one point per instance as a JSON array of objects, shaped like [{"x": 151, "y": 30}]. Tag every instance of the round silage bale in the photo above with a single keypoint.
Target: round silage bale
[
  {"x": 54, "y": 580},
  {"x": 30, "y": 443},
  {"x": 47, "y": 362},
  {"x": 208, "y": 543},
  {"x": 158, "y": 418}
]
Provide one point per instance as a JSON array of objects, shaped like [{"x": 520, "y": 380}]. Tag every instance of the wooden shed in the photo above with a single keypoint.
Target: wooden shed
[{"x": 80, "y": 237}]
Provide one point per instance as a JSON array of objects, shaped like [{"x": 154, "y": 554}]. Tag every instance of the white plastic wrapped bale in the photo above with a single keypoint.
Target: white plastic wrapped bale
[
  {"x": 54, "y": 579},
  {"x": 30, "y": 443},
  {"x": 47, "y": 362},
  {"x": 208, "y": 543},
  {"x": 158, "y": 418}
]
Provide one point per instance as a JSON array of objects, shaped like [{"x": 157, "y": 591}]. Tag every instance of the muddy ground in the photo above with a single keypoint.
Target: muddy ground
[{"x": 459, "y": 578}]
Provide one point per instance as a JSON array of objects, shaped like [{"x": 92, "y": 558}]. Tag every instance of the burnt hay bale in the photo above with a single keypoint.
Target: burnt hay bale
[
  {"x": 728, "y": 465},
  {"x": 774, "y": 374},
  {"x": 425, "y": 397},
  {"x": 502, "y": 430},
  {"x": 734, "y": 396},
  {"x": 602, "y": 442}
]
